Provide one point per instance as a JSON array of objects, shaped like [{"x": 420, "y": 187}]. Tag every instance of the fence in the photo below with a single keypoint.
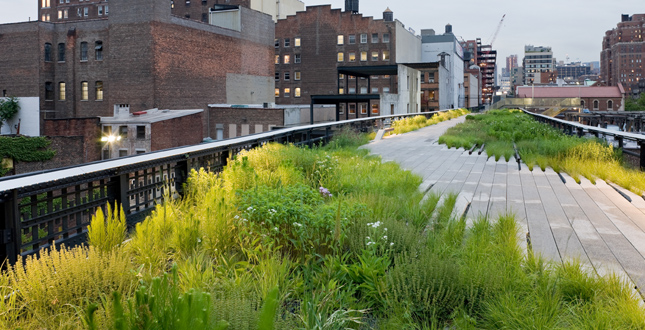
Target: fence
[
  {"x": 572, "y": 128},
  {"x": 54, "y": 207}
]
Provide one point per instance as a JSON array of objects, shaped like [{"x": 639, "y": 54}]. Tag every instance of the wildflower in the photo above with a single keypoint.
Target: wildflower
[
  {"x": 275, "y": 228},
  {"x": 250, "y": 208},
  {"x": 297, "y": 224},
  {"x": 385, "y": 237},
  {"x": 391, "y": 244},
  {"x": 324, "y": 192}
]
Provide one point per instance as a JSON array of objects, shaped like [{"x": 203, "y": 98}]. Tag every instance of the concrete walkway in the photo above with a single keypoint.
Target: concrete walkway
[{"x": 565, "y": 220}]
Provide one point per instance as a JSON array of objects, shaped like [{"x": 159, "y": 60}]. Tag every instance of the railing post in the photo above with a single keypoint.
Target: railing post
[
  {"x": 118, "y": 191},
  {"x": 9, "y": 227},
  {"x": 641, "y": 144},
  {"x": 181, "y": 176},
  {"x": 580, "y": 131},
  {"x": 621, "y": 143}
]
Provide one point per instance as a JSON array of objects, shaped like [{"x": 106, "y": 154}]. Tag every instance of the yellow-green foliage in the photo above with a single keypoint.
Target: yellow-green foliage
[
  {"x": 414, "y": 123},
  {"x": 107, "y": 232},
  {"x": 49, "y": 288}
]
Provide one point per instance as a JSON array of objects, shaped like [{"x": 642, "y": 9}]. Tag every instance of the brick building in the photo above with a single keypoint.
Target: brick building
[
  {"x": 312, "y": 45},
  {"x": 485, "y": 57},
  {"x": 135, "y": 53},
  {"x": 623, "y": 51}
]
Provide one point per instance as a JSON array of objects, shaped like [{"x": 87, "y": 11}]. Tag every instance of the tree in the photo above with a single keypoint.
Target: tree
[{"x": 9, "y": 107}]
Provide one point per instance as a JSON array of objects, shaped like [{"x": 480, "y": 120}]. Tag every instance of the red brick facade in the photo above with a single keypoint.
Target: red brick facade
[
  {"x": 623, "y": 52},
  {"x": 89, "y": 129},
  {"x": 243, "y": 119},
  {"x": 176, "y": 132},
  {"x": 318, "y": 30}
]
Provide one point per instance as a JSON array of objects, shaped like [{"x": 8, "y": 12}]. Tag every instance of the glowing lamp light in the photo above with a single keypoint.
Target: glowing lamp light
[{"x": 111, "y": 138}]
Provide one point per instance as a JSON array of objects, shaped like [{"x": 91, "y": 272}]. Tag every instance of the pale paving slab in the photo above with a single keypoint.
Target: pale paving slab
[{"x": 590, "y": 223}]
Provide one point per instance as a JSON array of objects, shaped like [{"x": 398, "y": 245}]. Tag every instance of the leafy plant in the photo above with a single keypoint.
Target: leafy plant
[
  {"x": 107, "y": 232},
  {"x": 9, "y": 107}
]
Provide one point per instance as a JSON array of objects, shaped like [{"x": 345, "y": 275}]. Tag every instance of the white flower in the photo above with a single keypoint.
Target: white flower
[
  {"x": 385, "y": 237},
  {"x": 385, "y": 229},
  {"x": 297, "y": 224},
  {"x": 391, "y": 243},
  {"x": 275, "y": 228},
  {"x": 250, "y": 208},
  {"x": 237, "y": 217}
]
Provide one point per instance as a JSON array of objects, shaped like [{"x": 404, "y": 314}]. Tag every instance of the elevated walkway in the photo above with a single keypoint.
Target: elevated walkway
[{"x": 562, "y": 220}]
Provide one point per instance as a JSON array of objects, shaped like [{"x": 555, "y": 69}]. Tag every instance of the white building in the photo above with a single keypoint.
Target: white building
[
  {"x": 278, "y": 9},
  {"x": 538, "y": 61},
  {"x": 446, "y": 48}
]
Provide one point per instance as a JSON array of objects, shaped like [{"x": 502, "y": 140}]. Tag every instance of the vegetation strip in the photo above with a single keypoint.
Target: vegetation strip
[
  {"x": 544, "y": 146},
  {"x": 292, "y": 238}
]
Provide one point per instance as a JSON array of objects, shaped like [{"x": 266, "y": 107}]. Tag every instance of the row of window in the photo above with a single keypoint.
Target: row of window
[
  {"x": 123, "y": 131},
  {"x": 287, "y": 42},
  {"x": 286, "y": 59},
  {"x": 351, "y": 56},
  {"x": 287, "y": 75},
  {"x": 287, "y": 92},
  {"x": 610, "y": 104},
  {"x": 362, "y": 106},
  {"x": 85, "y": 91},
  {"x": 98, "y": 51},
  {"x": 47, "y": 3},
  {"x": 340, "y": 40},
  {"x": 363, "y": 90}
]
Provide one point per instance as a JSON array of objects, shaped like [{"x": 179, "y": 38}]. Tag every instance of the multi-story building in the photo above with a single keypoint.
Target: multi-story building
[
  {"x": 199, "y": 10},
  {"x": 539, "y": 65},
  {"x": 447, "y": 49},
  {"x": 623, "y": 52},
  {"x": 485, "y": 58},
  {"x": 573, "y": 71},
  {"x": 511, "y": 63},
  {"x": 311, "y": 47},
  {"x": 139, "y": 54}
]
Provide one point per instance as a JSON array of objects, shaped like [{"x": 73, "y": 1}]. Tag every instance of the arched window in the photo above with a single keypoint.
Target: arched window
[
  {"x": 48, "y": 52},
  {"x": 61, "y": 52},
  {"x": 610, "y": 105},
  {"x": 595, "y": 104},
  {"x": 98, "y": 49},
  {"x": 582, "y": 103}
]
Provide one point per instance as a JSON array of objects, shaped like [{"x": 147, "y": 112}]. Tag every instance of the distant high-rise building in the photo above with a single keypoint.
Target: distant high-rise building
[
  {"x": 511, "y": 63},
  {"x": 485, "y": 58},
  {"x": 539, "y": 65},
  {"x": 572, "y": 72},
  {"x": 623, "y": 50}
]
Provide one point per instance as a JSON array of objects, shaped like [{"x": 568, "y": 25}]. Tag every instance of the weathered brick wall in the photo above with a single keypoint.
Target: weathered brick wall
[
  {"x": 265, "y": 117},
  {"x": 69, "y": 152},
  {"x": 177, "y": 132},
  {"x": 89, "y": 129},
  {"x": 319, "y": 27}
]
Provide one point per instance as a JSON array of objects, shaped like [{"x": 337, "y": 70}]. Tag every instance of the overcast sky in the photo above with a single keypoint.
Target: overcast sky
[{"x": 571, "y": 27}]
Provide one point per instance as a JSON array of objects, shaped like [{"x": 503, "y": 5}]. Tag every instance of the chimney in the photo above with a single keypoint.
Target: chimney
[
  {"x": 351, "y": 6},
  {"x": 448, "y": 29},
  {"x": 625, "y": 18},
  {"x": 388, "y": 15}
]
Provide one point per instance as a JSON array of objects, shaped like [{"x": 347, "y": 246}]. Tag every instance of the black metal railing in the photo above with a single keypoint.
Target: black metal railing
[
  {"x": 54, "y": 207},
  {"x": 571, "y": 128}
]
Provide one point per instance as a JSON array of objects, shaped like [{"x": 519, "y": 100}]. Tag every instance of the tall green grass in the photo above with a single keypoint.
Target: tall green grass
[
  {"x": 410, "y": 124},
  {"x": 543, "y": 146},
  {"x": 262, "y": 246}
]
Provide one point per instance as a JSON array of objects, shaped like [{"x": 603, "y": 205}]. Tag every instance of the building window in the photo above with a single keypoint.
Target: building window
[
  {"x": 60, "y": 14},
  {"x": 341, "y": 91},
  {"x": 296, "y": 92},
  {"x": 277, "y": 59},
  {"x": 363, "y": 90},
  {"x": 363, "y": 56},
  {"x": 352, "y": 39},
  {"x": 61, "y": 91},
  {"x": 98, "y": 50},
  {"x": 595, "y": 104},
  {"x": 352, "y": 108},
  {"x": 287, "y": 42},
  {"x": 98, "y": 88},
  {"x": 277, "y": 75},
  {"x": 364, "y": 38},
  {"x": 123, "y": 152},
  {"x": 374, "y": 56},
  {"x": 352, "y": 90},
  {"x": 86, "y": 11},
  {"x": 341, "y": 76},
  {"x": 341, "y": 57},
  {"x": 48, "y": 52},
  {"x": 351, "y": 77},
  {"x": 296, "y": 75},
  {"x": 386, "y": 55},
  {"x": 386, "y": 89},
  {"x": 287, "y": 59},
  {"x": 61, "y": 52},
  {"x": 105, "y": 9},
  {"x": 375, "y": 108},
  {"x": 277, "y": 92},
  {"x": 100, "y": 10},
  {"x": 374, "y": 38},
  {"x": 582, "y": 103},
  {"x": 142, "y": 151},
  {"x": 386, "y": 37},
  {"x": 123, "y": 132},
  {"x": 287, "y": 92},
  {"x": 85, "y": 91},
  {"x": 49, "y": 91},
  {"x": 352, "y": 57},
  {"x": 363, "y": 108},
  {"x": 83, "y": 51},
  {"x": 296, "y": 58},
  {"x": 141, "y": 132},
  {"x": 45, "y": 3},
  {"x": 610, "y": 105},
  {"x": 277, "y": 43},
  {"x": 287, "y": 75},
  {"x": 341, "y": 108},
  {"x": 374, "y": 90},
  {"x": 204, "y": 18},
  {"x": 296, "y": 42},
  {"x": 341, "y": 39}
]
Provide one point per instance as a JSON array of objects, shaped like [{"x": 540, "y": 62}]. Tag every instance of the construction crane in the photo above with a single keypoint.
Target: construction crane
[{"x": 499, "y": 26}]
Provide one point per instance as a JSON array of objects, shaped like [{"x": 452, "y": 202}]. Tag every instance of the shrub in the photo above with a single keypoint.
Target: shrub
[{"x": 107, "y": 232}]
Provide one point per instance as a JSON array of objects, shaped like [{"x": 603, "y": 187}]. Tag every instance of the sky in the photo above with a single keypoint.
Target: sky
[{"x": 573, "y": 28}]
